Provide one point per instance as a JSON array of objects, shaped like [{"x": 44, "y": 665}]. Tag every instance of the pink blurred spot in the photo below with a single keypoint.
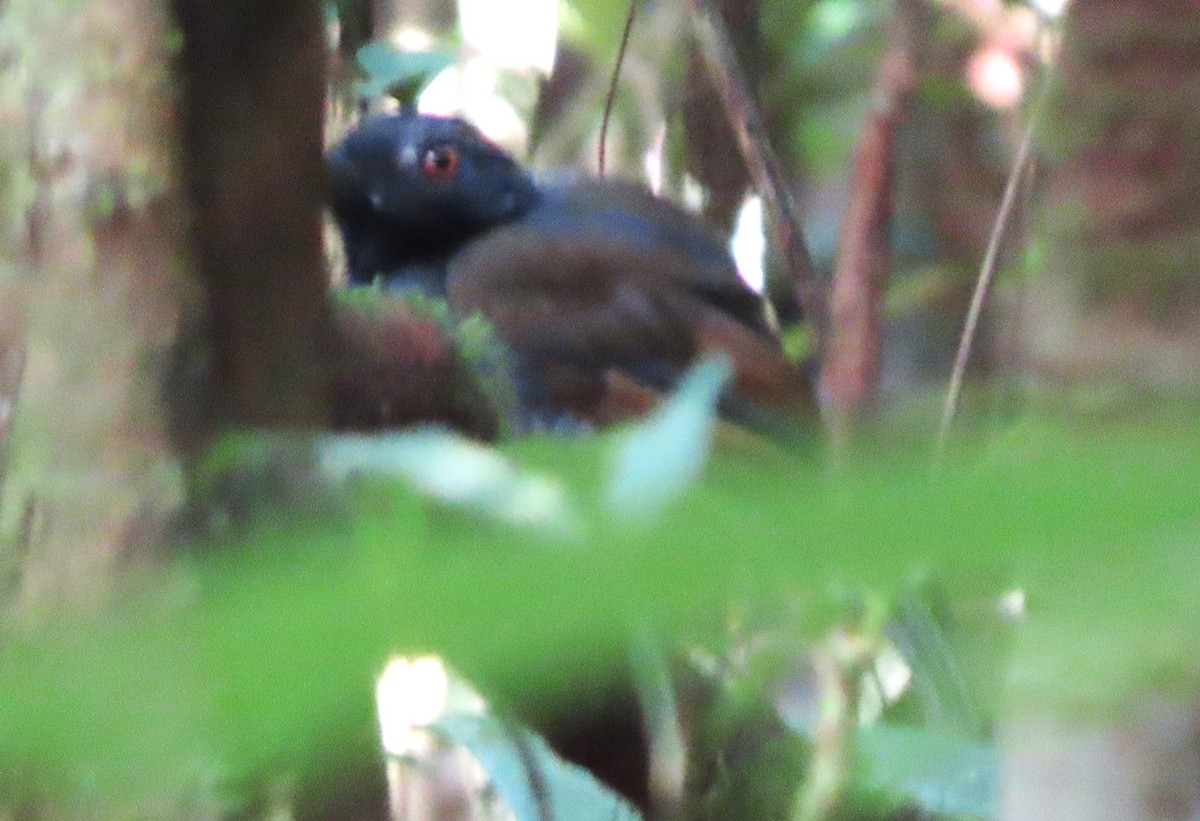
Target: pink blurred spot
[{"x": 995, "y": 77}]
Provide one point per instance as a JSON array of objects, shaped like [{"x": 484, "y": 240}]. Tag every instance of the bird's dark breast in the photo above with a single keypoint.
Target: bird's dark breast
[{"x": 405, "y": 255}]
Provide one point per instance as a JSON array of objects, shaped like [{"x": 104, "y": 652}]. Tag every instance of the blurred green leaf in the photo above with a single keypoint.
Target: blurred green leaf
[
  {"x": 453, "y": 470},
  {"x": 596, "y": 24},
  {"x": 799, "y": 341},
  {"x": 515, "y": 760},
  {"x": 658, "y": 459},
  {"x": 399, "y": 74},
  {"x": 227, "y": 665},
  {"x": 937, "y": 672},
  {"x": 945, "y": 774},
  {"x": 835, "y": 19}
]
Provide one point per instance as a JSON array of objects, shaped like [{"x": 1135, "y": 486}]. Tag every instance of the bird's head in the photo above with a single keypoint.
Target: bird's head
[{"x": 426, "y": 176}]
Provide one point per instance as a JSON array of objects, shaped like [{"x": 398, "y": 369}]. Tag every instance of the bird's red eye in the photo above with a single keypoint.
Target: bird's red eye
[{"x": 439, "y": 162}]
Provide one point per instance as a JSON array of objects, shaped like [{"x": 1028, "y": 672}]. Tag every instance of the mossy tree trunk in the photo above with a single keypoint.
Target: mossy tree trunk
[
  {"x": 125, "y": 217},
  {"x": 94, "y": 287},
  {"x": 101, "y": 239}
]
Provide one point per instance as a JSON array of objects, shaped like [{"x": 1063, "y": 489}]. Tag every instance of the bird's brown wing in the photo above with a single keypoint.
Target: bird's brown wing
[
  {"x": 575, "y": 311},
  {"x": 624, "y": 209}
]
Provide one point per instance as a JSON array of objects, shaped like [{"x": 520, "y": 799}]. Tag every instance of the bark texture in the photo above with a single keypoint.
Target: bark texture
[
  {"x": 252, "y": 75},
  {"x": 93, "y": 290}
]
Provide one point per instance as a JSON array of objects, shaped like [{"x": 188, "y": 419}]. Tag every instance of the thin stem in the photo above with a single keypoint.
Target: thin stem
[
  {"x": 610, "y": 99},
  {"x": 986, "y": 273},
  {"x": 720, "y": 59}
]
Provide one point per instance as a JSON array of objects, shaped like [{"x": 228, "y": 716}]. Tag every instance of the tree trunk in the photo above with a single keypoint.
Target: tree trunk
[
  {"x": 253, "y": 77},
  {"x": 93, "y": 290}
]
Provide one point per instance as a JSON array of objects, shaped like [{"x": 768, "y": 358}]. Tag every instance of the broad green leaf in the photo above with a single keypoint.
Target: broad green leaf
[
  {"x": 945, "y": 774},
  {"x": 657, "y": 460},
  {"x": 516, "y": 759},
  {"x": 456, "y": 471},
  {"x": 400, "y": 74},
  {"x": 238, "y": 663}
]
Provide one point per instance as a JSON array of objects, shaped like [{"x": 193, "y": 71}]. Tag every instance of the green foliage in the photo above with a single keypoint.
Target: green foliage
[
  {"x": 821, "y": 57},
  {"x": 657, "y": 461},
  {"x": 595, "y": 23},
  {"x": 474, "y": 338},
  {"x": 237, "y": 661},
  {"x": 943, "y": 773},
  {"x": 398, "y": 74},
  {"x": 736, "y": 736},
  {"x": 508, "y": 753},
  {"x": 457, "y": 473}
]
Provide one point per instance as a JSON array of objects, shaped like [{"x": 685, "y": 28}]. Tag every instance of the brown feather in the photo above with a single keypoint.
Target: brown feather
[{"x": 587, "y": 309}]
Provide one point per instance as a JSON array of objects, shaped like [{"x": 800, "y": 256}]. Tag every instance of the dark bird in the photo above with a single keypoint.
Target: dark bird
[
  {"x": 593, "y": 283},
  {"x": 600, "y": 289}
]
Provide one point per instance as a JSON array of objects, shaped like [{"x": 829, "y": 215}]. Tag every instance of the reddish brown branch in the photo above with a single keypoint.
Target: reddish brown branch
[
  {"x": 720, "y": 59},
  {"x": 850, "y": 375}
]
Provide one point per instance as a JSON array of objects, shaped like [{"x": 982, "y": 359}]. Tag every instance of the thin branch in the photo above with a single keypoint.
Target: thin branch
[
  {"x": 610, "y": 99},
  {"x": 829, "y": 765},
  {"x": 720, "y": 59},
  {"x": 850, "y": 372},
  {"x": 987, "y": 272}
]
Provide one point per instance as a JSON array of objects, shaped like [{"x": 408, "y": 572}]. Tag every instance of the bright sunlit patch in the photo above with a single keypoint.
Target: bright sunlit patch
[
  {"x": 749, "y": 243},
  {"x": 1012, "y": 604},
  {"x": 652, "y": 161},
  {"x": 518, "y": 34},
  {"x": 889, "y": 679},
  {"x": 502, "y": 43},
  {"x": 834, "y": 20},
  {"x": 1051, "y": 8},
  {"x": 471, "y": 89},
  {"x": 692, "y": 193},
  {"x": 892, "y": 673},
  {"x": 410, "y": 38},
  {"x": 995, "y": 77},
  {"x": 410, "y": 694}
]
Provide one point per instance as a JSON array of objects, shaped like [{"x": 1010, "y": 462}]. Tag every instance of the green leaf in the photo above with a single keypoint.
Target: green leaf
[
  {"x": 516, "y": 759},
  {"x": 238, "y": 664},
  {"x": 399, "y": 74},
  {"x": 945, "y": 774},
  {"x": 657, "y": 460},
  {"x": 455, "y": 471},
  {"x": 938, "y": 674}
]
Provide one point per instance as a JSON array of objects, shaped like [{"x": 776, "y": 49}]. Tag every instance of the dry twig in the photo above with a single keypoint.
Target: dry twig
[
  {"x": 986, "y": 273},
  {"x": 720, "y": 59}
]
